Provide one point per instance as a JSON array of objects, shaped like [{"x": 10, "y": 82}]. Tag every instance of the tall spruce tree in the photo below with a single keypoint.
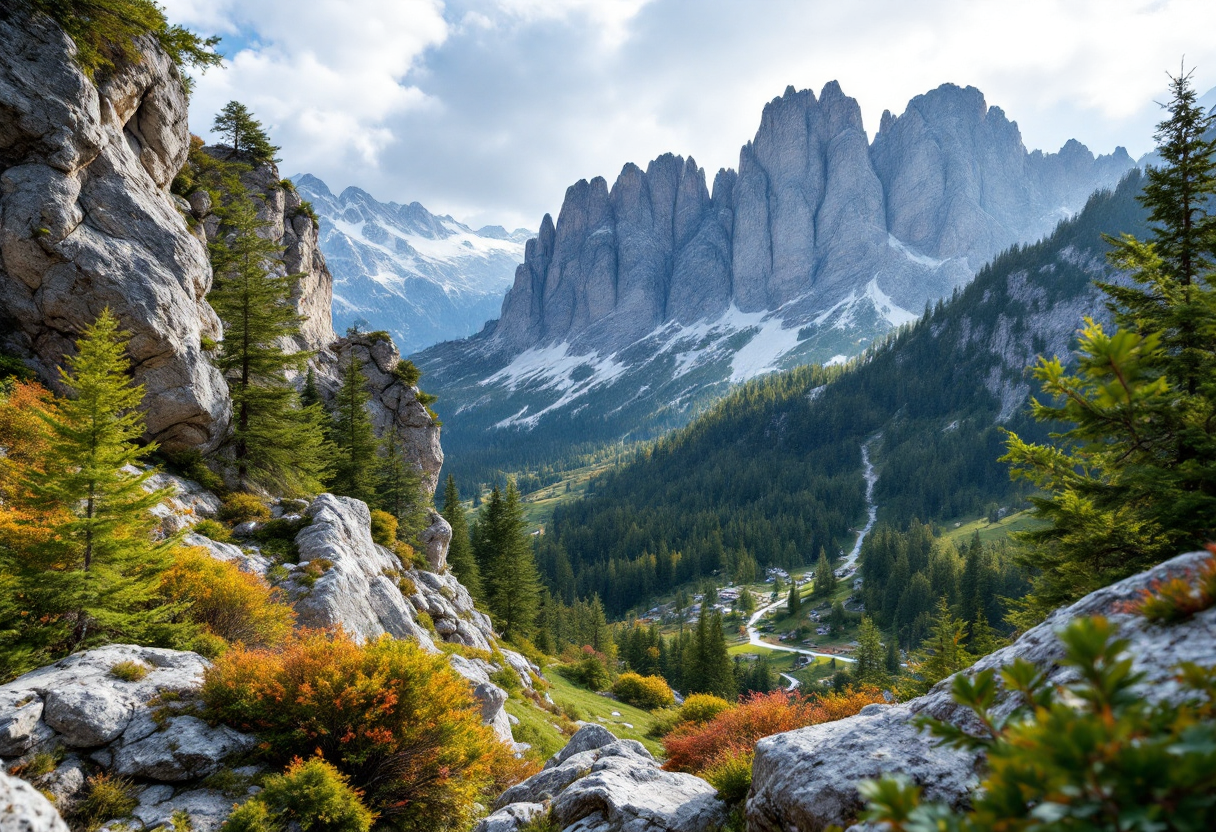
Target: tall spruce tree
[
  {"x": 399, "y": 488},
  {"x": 275, "y": 442},
  {"x": 355, "y": 467},
  {"x": 794, "y": 603},
  {"x": 243, "y": 133},
  {"x": 507, "y": 565},
  {"x": 460, "y": 551},
  {"x": 1133, "y": 480},
  {"x": 870, "y": 667},
  {"x": 942, "y": 653},
  {"x": 825, "y": 578},
  {"x": 77, "y": 541}
]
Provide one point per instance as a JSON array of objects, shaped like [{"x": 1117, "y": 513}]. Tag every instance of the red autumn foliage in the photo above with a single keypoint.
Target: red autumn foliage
[{"x": 696, "y": 747}]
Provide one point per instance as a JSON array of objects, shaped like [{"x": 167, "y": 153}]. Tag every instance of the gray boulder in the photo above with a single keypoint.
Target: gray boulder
[
  {"x": 511, "y": 818},
  {"x": 23, "y": 809},
  {"x": 186, "y": 748},
  {"x": 604, "y": 784},
  {"x": 807, "y": 779}
]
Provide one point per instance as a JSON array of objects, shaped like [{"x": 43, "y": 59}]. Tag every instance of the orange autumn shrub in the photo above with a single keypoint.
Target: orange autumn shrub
[
  {"x": 22, "y": 432},
  {"x": 1180, "y": 598},
  {"x": 398, "y": 721},
  {"x": 696, "y": 748},
  {"x": 238, "y": 607}
]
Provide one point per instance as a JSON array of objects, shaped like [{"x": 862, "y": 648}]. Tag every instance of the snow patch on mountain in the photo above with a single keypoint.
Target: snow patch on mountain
[{"x": 424, "y": 278}]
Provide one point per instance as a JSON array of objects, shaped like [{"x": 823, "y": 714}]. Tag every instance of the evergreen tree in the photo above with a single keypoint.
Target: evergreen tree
[
  {"x": 942, "y": 653},
  {"x": 399, "y": 488},
  {"x": 825, "y": 578},
  {"x": 507, "y": 565},
  {"x": 892, "y": 657},
  {"x": 871, "y": 665},
  {"x": 747, "y": 602},
  {"x": 837, "y": 619},
  {"x": 1133, "y": 481},
  {"x": 460, "y": 551},
  {"x": 77, "y": 545},
  {"x": 355, "y": 466},
  {"x": 794, "y": 604},
  {"x": 707, "y": 667},
  {"x": 275, "y": 441},
  {"x": 243, "y": 133}
]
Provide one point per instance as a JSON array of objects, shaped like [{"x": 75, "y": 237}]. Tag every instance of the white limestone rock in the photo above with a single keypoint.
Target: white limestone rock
[
  {"x": 806, "y": 779},
  {"x": 604, "y": 784},
  {"x": 23, "y": 809},
  {"x": 185, "y": 748},
  {"x": 87, "y": 222}
]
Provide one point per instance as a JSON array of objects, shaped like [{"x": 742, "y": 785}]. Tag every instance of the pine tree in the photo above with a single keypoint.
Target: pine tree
[
  {"x": 508, "y": 566},
  {"x": 275, "y": 442},
  {"x": 837, "y": 618},
  {"x": 1133, "y": 481},
  {"x": 460, "y": 551},
  {"x": 243, "y": 133},
  {"x": 825, "y": 578},
  {"x": 871, "y": 665},
  {"x": 942, "y": 653},
  {"x": 355, "y": 466},
  {"x": 794, "y": 604},
  {"x": 399, "y": 488},
  {"x": 80, "y": 554}
]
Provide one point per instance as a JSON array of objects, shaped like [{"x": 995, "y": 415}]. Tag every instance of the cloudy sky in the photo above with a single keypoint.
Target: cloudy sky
[{"x": 489, "y": 109}]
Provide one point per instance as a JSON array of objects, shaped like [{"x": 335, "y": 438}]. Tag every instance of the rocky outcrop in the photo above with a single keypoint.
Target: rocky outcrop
[
  {"x": 394, "y": 406},
  {"x": 601, "y": 784},
  {"x": 814, "y": 213},
  {"x": 134, "y": 726},
  {"x": 344, "y": 579},
  {"x": 806, "y": 779},
  {"x": 87, "y": 222},
  {"x": 24, "y": 809}
]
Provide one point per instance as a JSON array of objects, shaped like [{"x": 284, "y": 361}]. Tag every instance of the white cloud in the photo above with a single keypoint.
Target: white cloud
[{"x": 489, "y": 109}]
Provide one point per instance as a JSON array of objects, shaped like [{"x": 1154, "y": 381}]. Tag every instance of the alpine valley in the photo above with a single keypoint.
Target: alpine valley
[{"x": 647, "y": 300}]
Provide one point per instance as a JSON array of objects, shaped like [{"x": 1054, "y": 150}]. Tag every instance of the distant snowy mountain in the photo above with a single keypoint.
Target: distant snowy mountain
[{"x": 422, "y": 277}]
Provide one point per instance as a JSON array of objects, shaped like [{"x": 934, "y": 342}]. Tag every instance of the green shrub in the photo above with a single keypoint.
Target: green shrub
[
  {"x": 312, "y": 795},
  {"x": 407, "y": 586},
  {"x": 702, "y": 707},
  {"x": 107, "y": 797},
  {"x": 191, "y": 465},
  {"x": 130, "y": 671},
  {"x": 507, "y": 679},
  {"x": 384, "y": 528},
  {"x": 646, "y": 692},
  {"x": 44, "y": 762},
  {"x": 213, "y": 530},
  {"x": 590, "y": 672},
  {"x": 305, "y": 209},
  {"x": 731, "y": 775},
  {"x": 277, "y": 538},
  {"x": 240, "y": 507},
  {"x": 407, "y": 373},
  {"x": 1094, "y": 755}
]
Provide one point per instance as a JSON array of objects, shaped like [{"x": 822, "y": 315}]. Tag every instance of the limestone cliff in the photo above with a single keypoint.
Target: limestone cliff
[{"x": 87, "y": 221}]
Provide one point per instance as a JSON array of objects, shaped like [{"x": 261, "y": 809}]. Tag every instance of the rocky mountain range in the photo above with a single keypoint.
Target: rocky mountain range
[
  {"x": 646, "y": 299},
  {"x": 400, "y": 268}
]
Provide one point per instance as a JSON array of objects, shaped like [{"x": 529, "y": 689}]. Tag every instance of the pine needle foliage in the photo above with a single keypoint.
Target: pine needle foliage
[
  {"x": 244, "y": 133},
  {"x": 355, "y": 466},
  {"x": 507, "y": 564},
  {"x": 105, "y": 32},
  {"x": 76, "y": 532},
  {"x": 1132, "y": 481},
  {"x": 400, "y": 491},
  {"x": 460, "y": 551},
  {"x": 275, "y": 442}
]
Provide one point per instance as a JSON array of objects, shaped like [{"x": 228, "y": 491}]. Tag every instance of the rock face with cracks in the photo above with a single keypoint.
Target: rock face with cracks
[
  {"x": 598, "y": 783},
  {"x": 87, "y": 222},
  {"x": 807, "y": 779}
]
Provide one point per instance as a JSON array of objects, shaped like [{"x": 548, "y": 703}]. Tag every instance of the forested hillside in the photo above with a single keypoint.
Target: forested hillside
[{"x": 773, "y": 473}]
